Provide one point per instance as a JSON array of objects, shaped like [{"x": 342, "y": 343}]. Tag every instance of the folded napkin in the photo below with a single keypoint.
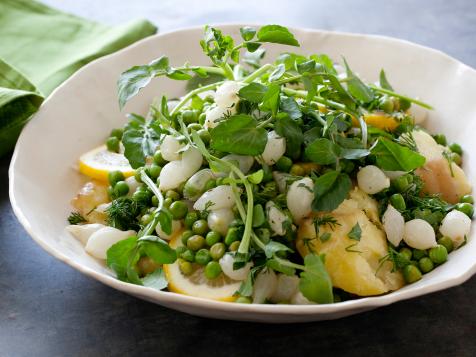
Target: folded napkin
[{"x": 39, "y": 48}]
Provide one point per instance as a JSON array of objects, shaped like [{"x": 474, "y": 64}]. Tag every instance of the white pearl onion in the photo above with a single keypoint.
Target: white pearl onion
[
  {"x": 456, "y": 225},
  {"x": 299, "y": 198},
  {"x": 226, "y": 95},
  {"x": 276, "y": 218},
  {"x": 176, "y": 226},
  {"x": 264, "y": 286},
  {"x": 103, "y": 239},
  {"x": 372, "y": 180},
  {"x": 219, "y": 197},
  {"x": 286, "y": 288},
  {"x": 274, "y": 149},
  {"x": 394, "y": 225},
  {"x": 299, "y": 299},
  {"x": 84, "y": 231},
  {"x": 419, "y": 234},
  {"x": 220, "y": 220},
  {"x": 418, "y": 113},
  {"x": 226, "y": 264},
  {"x": 170, "y": 147}
]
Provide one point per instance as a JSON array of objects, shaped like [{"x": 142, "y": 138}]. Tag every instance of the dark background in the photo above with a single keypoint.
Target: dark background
[{"x": 49, "y": 309}]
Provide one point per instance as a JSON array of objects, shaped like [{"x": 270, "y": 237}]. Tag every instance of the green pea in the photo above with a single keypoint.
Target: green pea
[
  {"x": 142, "y": 196},
  {"x": 185, "y": 236},
  {"x": 202, "y": 257},
  {"x": 200, "y": 227},
  {"x": 438, "y": 254},
  {"x": 417, "y": 254},
  {"x": 297, "y": 170},
  {"x": 267, "y": 174},
  {"x": 212, "y": 238},
  {"x": 188, "y": 255},
  {"x": 204, "y": 135},
  {"x": 456, "y": 148},
  {"x": 232, "y": 235},
  {"x": 258, "y": 216},
  {"x": 234, "y": 246},
  {"x": 190, "y": 219},
  {"x": 185, "y": 267},
  {"x": 217, "y": 251},
  {"x": 112, "y": 144},
  {"x": 406, "y": 252},
  {"x": 404, "y": 104},
  {"x": 194, "y": 126},
  {"x": 155, "y": 201},
  {"x": 154, "y": 171},
  {"x": 243, "y": 300},
  {"x": 145, "y": 219},
  {"x": 137, "y": 174},
  {"x": 401, "y": 183},
  {"x": 411, "y": 273},
  {"x": 196, "y": 242},
  {"x": 466, "y": 208},
  {"x": 121, "y": 188},
  {"x": 159, "y": 159},
  {"x": 117, "y": 133},
  {"x": 264, "y": 235},
  {"x": 172, "y": 194},
  {"x": 180, "y": 250},
  {"x": 446, "y": 242},
  {"x": 167, "y": 202},
  {"x": 189, "y": 116},
  {"x": 210, "y": 184},
  {"x": 425, "y": 264},
  {"x": 212, "y": 270},
  {"x": 440, "y": 139},
  {"x": 178, "y": 209},
  {"x": 114, "y": 177},
  {"x": 398, "y": 201},
  {"x": 284, "y": 164},
  {"x": 386, "y": 104},
  {"x": 467, "y": 199}
]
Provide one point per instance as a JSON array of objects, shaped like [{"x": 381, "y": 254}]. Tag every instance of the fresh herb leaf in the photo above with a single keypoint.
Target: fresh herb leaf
[
  {"x": 277, "y": 73},
  {"x": 239, "y": 134},
  {"x": 276, "y": 34},
  {"x": 157, "y": 249},
  {"x": 253, "y": 92},
  {"x": 383, "y": 81},
  {"x": 395, "y": 157},
  {"x": 323, "y": 152},
  {"x": 325, "y": 237},
  {"x": 315, "y": 283},
  {"x": 273, "y": 247},
  {"x": 355, "y": 233},
  {"x": 156, "y": 280},
  {"x": 356, "y": 87},
  {"x": 76, "y": 218},
  {"x": 276, "y": 265},
  {"x": 271, "y": 99},
  {"x": 122, "y": 213},
  {"x": 291, "y": 130},
  {"x": 246, "y": 287},
  {"x": 330, "y": 190},
  {"x": 290, "y": 106},
  {"x": 247, "y": 33},
  {"x": 121, "y": 255}
]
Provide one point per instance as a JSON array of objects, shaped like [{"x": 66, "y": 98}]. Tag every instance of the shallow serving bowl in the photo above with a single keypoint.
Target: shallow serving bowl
[{"x": 81, "y": 112}]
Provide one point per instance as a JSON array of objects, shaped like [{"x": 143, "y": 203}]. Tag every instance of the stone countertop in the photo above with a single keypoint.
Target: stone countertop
[{"x": 49, "y": 309}]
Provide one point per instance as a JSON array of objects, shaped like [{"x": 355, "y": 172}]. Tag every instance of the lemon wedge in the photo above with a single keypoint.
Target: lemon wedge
[
  {"x": 98, "y": 162},
  {"x": 196, "y": 284}
]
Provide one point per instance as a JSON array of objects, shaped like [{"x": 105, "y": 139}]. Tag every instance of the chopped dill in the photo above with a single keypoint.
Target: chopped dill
[{"x": 76, "y": 218}]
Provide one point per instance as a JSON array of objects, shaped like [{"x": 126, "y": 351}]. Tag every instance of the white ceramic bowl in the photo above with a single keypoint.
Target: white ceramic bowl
[{"x": 81, "y": 112}]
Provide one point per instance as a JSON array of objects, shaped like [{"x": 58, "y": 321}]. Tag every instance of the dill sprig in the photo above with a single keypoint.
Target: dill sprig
[
  {"x": 123, "y": 212},
  {"x": 76, "y": 218}
]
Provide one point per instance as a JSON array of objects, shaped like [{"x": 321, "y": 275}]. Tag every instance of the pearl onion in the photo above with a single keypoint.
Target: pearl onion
[
  {"x": 299, "y": 299},
  {"x": 103, "y": 239},
  {"x": 419, "y": 234},
  {"x": 456, "y": 225},
  {"x": 394, "y": 225},
  {"x": 287, "y": 287},
  {"x": 176, "y": 226},
  {"x": 82, "y": 232},
  {"x": 264, "y": 286},
  {"x": 220, "y": 197},
  {"x": 226, "y": 95},
  {"x": 300, "y": 197},
  {"x": 276, "y": 218},
  {"x": 226, "y": 264},
  {"x": 418, "y": 113},
  {"x": 220, "y": 220},
  {"x": 170, "y": 147},
  {"x": 372, "y": 180},
  {"x": 274, "y": 149}
]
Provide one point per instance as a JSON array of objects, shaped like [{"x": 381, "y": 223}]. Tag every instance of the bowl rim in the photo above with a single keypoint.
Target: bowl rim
[{"x": 166, "y": 297}]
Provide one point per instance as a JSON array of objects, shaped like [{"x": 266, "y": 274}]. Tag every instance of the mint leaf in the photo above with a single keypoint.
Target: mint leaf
[
  {"x": 155, "y": 280},
  {"x": 391, "y": 156},
  {"x": 239, "y": 134},
  {"x": 355, "y": 233},
  {"x": 157, "y": 249},
  {"x": 276, "y": 34},
  {"x": 253, "y": 92},
  {"x": 330, "y": 190},
  {"x": 120, "y": 256},
  {"x": 323, "y": 151},
  {"x": 315, "y": 283}
]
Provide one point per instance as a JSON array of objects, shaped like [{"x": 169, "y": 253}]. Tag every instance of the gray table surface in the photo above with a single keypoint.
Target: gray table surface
[{"x": 49, "y": 309}]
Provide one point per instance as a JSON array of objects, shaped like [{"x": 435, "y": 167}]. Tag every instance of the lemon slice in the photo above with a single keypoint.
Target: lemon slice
[
  {"x": 98, "y": 162},
  {"x": 196, "y": 284}
]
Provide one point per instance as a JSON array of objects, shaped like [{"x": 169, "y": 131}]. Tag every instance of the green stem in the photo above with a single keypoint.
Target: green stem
[
  {"x": 258, "y": 241},
  {"x": 190, "y": 94},
  {"x": 228, "y": 71},
  {"x": 289, "y": 264},
  {"x": 393, "y": 94},
  {"x": 260, "y": 71},
  {"x": 318, "y": 99},
  {"x": 153, "y": 187}
]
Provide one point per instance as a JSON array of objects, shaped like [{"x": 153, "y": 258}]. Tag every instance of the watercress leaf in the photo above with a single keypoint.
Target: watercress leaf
[
  {"x": 253, "y": 92},
  {"x": 132, "y": 275},
  {"x": 157, "y": 249},
  {"x": 273, "y": 247},
  {"x": 155, "y": 280},
  {"x": 271, "y": 99},
  {"x": 330, "y": 190},
  {"x": 325, "y": 62},
  {"x": 323, "y": 151},
  {"x": 179, "y": 75},
  {"x": 119, "y": 255},
  {"x": 276, "y": 34},
  {"x": 247, "y": 33},
  {"x": 391, "y": 156},
  {"x": 239, "y": 134},
  {"x": 306, "y": 67},
  {"x": 199, "y": 71},
  {"x": 290, "y": 60},
  {"x": 246, "y": 287},
  {"x": 355, "y": 233},
  {"x": 253, "y": 58},
  {"x": 290, "y": 106},
  {"x": 356, "y": 87},
  {"x": 383, "y": 81},
  {"x": 291, "y": 130},
  {"x": 341, "y": 92},
  {"x": 315, "y": 283},
  {"x": 256, "y": 177},
  {"x": 165, "y": 220},
  {"x": 252, "y": 46},
  {"x": 353, "y": 154},
  {"x": 277, "y": 73},
  {"x": 348, "y": 143},
  {"x": 140, "y": 141},
  {"x": 277, "y": 266},
  {"x": 312, "y": 134}
]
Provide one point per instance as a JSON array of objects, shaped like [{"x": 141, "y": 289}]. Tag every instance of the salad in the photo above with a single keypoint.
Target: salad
[{"x": 292, "y": 181}]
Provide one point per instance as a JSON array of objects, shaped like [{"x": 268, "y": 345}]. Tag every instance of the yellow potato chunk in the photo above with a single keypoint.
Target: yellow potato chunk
[{"x": 354, "y": 266}]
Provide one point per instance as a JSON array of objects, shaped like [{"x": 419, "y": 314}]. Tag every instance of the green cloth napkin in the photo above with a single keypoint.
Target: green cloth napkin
[{"x": 39, "y": 48}]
